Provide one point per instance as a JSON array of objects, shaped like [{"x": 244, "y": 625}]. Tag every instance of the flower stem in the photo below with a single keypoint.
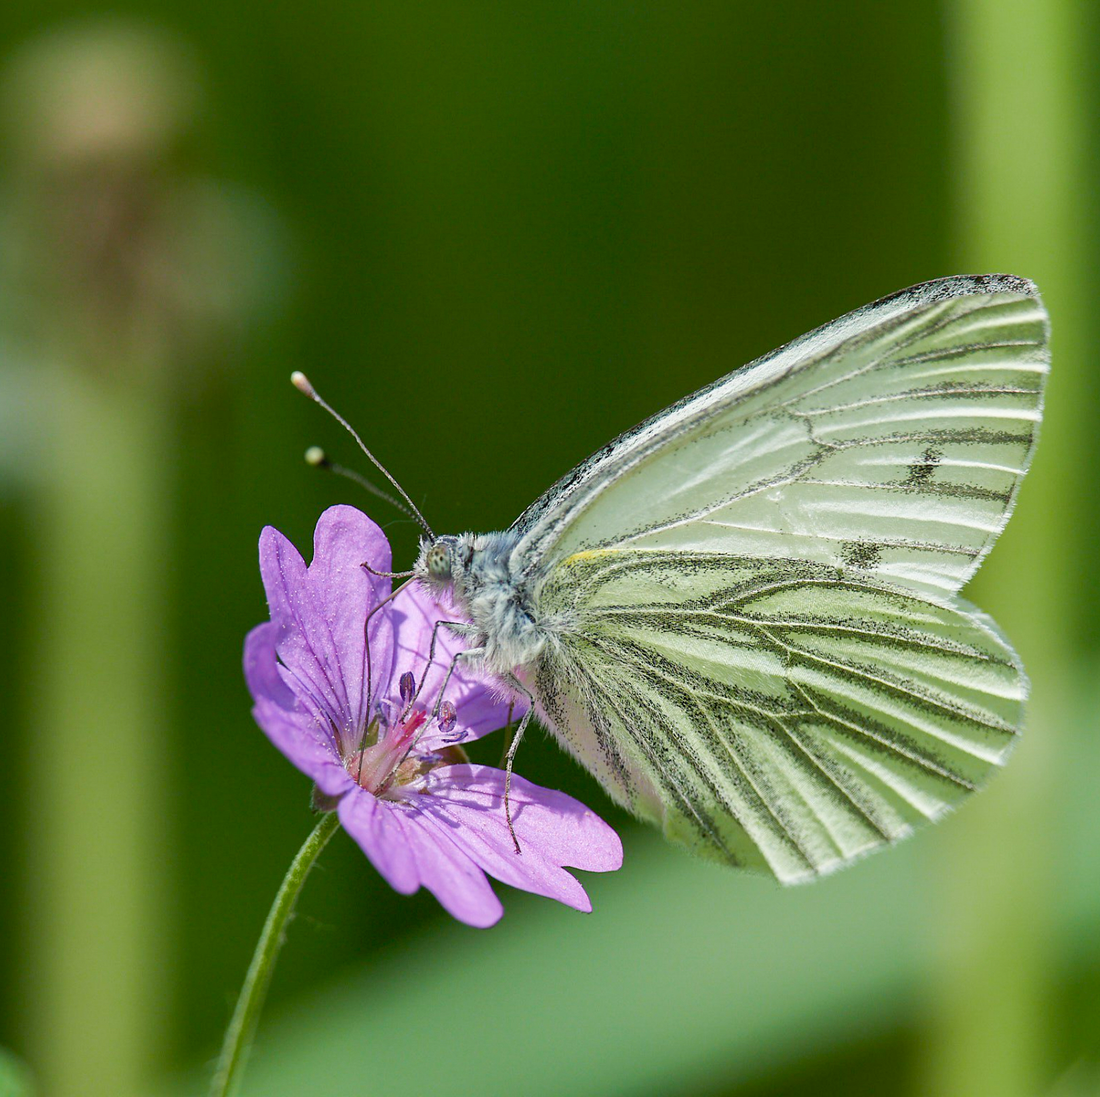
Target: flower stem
[{"x": 242, "y": 1026}]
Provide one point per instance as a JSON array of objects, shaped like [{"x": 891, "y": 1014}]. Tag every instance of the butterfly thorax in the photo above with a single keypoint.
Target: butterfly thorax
[{"x": 476, "y": 571}]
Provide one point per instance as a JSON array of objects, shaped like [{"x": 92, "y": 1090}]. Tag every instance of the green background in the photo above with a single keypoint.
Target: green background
[{"x": 495, "y": 235}]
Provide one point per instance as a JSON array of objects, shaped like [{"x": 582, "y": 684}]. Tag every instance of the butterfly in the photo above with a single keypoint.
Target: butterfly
[{"x": 743, "y": 615}]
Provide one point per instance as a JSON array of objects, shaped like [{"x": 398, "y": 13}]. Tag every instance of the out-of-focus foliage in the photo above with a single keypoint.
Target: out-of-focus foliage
[
  {"x": 495, "y": 236},
  {"x": 15, "y": 1078}
]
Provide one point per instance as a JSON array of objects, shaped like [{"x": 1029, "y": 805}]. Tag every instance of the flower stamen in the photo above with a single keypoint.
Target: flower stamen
[{"x": 378, "y": 766}]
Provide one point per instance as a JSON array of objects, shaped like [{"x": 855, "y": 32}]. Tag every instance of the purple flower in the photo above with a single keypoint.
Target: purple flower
[{"x": 349, "y": 704}]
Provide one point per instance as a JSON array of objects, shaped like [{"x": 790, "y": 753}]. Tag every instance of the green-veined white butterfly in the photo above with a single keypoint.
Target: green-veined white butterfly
[{"x": 743, "y": 616}]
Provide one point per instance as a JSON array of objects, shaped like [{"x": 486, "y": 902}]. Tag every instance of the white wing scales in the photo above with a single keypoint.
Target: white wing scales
[
  {"x": 790, "y": 717},
  {"x": 892, "y": 440},
  {"x": 760, "y": 646}
]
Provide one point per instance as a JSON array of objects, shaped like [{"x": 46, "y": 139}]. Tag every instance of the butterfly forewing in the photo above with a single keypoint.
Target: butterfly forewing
[
  {"x": 761, "y": 645},
  {"x": 891, "y": 441}
]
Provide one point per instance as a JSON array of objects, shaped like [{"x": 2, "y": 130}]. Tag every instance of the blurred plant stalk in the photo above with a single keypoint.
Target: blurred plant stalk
[
  {"x": 1020, "y": 85},
  {"x": 114, "y": 289},
  {"x": 100, "y": 957}
]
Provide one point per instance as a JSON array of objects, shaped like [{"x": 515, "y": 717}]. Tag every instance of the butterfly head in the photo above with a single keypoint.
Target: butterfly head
[{"x": 441, "y": 561}]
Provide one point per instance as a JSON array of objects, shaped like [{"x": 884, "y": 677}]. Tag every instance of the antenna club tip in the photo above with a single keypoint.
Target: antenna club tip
[
  {"x": 301, "y": 382},
  {"x": 316, "y": 456}
]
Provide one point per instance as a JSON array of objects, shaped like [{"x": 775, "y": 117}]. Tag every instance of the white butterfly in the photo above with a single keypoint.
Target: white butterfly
[{"x": 743, "y": 616}]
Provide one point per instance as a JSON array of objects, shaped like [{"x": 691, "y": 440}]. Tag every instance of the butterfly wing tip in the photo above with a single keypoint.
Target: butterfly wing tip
[{"x": 994, "y": 284}]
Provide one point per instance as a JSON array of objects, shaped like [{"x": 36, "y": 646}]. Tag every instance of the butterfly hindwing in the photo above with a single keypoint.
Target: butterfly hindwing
[{"x": 774, "y": 713}]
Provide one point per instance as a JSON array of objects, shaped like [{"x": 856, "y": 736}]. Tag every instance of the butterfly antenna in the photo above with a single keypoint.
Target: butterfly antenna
[
  {"x": 317, "y": 457},
  {"x": 302, "y": 384}
]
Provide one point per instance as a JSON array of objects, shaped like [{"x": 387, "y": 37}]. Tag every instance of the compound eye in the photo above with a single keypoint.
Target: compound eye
[{"x": 439, "y": 561}]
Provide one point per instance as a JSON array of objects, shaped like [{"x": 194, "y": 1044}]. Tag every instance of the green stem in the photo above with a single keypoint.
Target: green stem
[{"x": 242, "y": 1026}]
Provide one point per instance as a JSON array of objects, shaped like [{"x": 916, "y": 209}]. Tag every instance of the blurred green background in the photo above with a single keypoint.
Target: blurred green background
[{"x": 495, "y": 235}]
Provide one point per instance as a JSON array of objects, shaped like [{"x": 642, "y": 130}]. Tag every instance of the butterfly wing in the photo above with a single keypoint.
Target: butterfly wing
[
  {"x": 890, "y": 441},
  {"x": 775, "y": 713},
  {"x": 761, "y": 647}
]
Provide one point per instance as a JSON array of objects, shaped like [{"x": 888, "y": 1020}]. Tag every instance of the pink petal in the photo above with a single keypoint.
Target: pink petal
[
  {"x": 320, "y": 613},
  {"x": 565, "y": 829},
  {"x": 381, "y": 834},
  {"x": 452, "y": 877},
  {"x": 293, "y": 730},
  {"x": 408, "y": 856},
  {"x": 466, "y": 807}
]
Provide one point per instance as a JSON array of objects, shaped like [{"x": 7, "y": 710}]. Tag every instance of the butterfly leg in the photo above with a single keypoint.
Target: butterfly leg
[
  {"x": 469, "y": 653},
  {"x": 459, "y": 628},
  {"x": 387, "y": 574},
  {"x": 369, "y": 669},
  {"x": 519, "y": 687}
]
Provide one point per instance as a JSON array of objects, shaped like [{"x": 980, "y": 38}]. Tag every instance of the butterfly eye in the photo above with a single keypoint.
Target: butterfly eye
[{"x": 439, "y": 561}]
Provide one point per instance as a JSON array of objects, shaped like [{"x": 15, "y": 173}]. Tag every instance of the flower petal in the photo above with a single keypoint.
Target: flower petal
[
  {"x": 452, "y": 876},
  {"x": 320, "y": 613},
  {"x": 315, "y": 676},
  {"x": 481, "y": 704},
  {"x": 380, "y": 834},
  {"x": 465, "y": 803},
  {"x": 409, "y": 855},
  {"x": 293, "y": 730}
]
